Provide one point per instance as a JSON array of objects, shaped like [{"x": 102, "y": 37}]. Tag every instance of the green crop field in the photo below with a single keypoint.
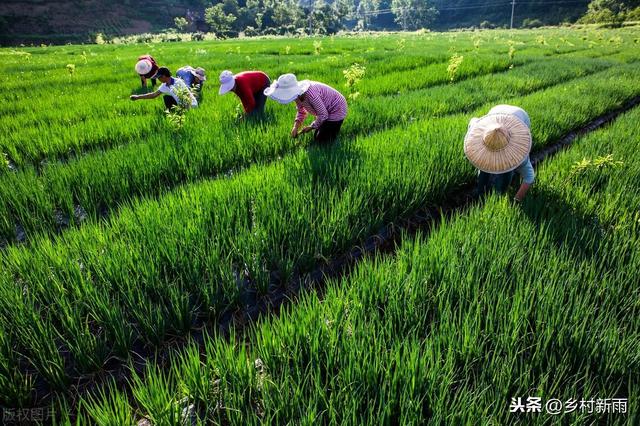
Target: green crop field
[{"x": 123, "y": 232}]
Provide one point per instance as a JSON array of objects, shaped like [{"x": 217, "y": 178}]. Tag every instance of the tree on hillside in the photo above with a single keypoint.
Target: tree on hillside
[
  {"x": 364, "y": 12},
  {"x": 346, "y": 7},
  {"x": 271, "y": 15},
  {"x": 287, "y": 15},
  {"x": 608, "y": 11},
  {"x": 457, "y": 13},
  {"x": 412, "y": 15},
  {"x": 180, "y": 23},
  {"x": 326, "y": 18},
  {"x": 219, "y": 22}
]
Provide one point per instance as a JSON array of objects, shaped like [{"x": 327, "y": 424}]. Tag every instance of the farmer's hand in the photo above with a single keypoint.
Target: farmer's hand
[
  {"x": 306, "y": 129},
  {"x": 294, "y": 132}
]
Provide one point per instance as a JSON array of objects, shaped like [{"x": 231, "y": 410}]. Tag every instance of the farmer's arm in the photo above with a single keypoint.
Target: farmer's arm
[
  {"x": 528, "y": 176},
  {"x": 300, "y": 117},
  {"x": 151, "y": 95},
  {"x": 522, "y": 191},
  {"x": 143, "y": 81}
]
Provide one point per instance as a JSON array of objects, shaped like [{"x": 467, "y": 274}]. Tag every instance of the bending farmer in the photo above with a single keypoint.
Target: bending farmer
[
  {"x": 311, "y": 97},
  {"x": 499, "y": 144},
  {"x": 175, "y": 91},
  {"x": 192, "y": 76},
  {"x": 146, "y": 67},
  {"x": 249, "y": 86}
]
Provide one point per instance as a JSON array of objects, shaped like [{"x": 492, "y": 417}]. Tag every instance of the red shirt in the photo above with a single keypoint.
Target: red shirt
[
  {"x": 154, "y": 65},
  {"x": 248, "y": 83}
]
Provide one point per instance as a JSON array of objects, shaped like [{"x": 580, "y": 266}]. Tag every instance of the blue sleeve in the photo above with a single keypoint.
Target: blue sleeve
[
  {"x": 522, "y": 115},
  {"x": 525, "y": 170},
  {"x": 186, "y": 76}
]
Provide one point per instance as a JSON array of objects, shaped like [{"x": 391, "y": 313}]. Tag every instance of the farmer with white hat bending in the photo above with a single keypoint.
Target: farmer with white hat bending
[
  {"x": 499, "y": 144},
  {"x": 147, "y": 67},
  {"x": 249, "y": 86},
  {"x": 311, "y": 97},
  {"x": 175, "y": 91},
  {"x": 192, "y": 76}
]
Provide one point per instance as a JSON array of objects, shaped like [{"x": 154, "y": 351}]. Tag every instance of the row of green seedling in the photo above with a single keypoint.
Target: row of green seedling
[
  {"x": 149, "y": 272},
  {"x": 209, "y": 145},
  {"x": 498, "y": 303}
]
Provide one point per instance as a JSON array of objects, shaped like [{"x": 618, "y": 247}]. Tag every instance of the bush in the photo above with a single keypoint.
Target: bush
[
  {"x": 180, "y": 23},
  {"x": 610, "y": 12},
  {"x": 250, "y": 32},
  {"x": 532, "y": 23},
  {"x": 289, "y": 29},
  {"x": 486, "y": 25},
  {"x": 100, "y": 38},
  {"x": 633, "y": 15}
]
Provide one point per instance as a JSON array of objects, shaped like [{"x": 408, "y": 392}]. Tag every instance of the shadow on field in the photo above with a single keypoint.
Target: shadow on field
[{"x": 567, "y": 225}]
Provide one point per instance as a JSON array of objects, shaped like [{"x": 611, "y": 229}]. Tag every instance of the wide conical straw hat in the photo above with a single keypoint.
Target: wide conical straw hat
[{"x": 497, "y": 143}]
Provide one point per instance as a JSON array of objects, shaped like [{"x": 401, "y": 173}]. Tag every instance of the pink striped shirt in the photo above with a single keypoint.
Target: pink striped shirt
[{"x": 322, "y": 101}]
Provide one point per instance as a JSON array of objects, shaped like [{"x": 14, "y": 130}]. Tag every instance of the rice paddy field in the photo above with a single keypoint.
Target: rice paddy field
[{"x": 131, "y": 245}]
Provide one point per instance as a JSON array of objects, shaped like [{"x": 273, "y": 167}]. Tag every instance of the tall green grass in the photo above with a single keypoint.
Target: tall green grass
[
  {"x": 499, "y": 302},
  {"x": 211, "y": 145},
  {"x": 146, "y": 274},
  {"x": 49, "y": 114}
]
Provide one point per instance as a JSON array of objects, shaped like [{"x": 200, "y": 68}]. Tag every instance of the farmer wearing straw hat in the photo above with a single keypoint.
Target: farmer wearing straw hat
[
  {"x": 311, "y": 97},
  {"x": 175, "y": 91},
  {"x": 192, "y": 76},
  {"x": 499, "y": 144},
  {"x": 146, "y": 67},
  {"x": 249, "y": 86}
]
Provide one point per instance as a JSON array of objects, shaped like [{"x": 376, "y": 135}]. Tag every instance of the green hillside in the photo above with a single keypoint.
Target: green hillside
[{"x": 61, "y": 21}]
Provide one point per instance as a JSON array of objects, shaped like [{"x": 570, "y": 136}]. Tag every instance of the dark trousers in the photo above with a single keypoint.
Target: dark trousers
[
  {"x": 261, "y": 100},
  {"x": 169, "y": 101},
  {"x": 327, "y": 132},
  {"x": 143, "y": 82},
  {"x": 499, "y": 182}
]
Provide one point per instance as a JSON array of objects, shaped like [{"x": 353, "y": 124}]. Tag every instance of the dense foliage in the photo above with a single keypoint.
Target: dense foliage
[
  {"x": 62, "y": 20},
  {"x": 613, "y": 12}
]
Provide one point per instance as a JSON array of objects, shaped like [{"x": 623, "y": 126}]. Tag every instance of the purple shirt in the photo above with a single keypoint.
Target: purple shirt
[{"x": 322, "y": 101}]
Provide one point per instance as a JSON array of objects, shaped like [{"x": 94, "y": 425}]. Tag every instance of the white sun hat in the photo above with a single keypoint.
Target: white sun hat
[
  {"x": 497, "y": 143},
  {"x": 199, "y": 72},
  {"x": 286, "y": 88},
  {"x": 143, "y": 67},
  {"x": 227, "y": 81}
]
